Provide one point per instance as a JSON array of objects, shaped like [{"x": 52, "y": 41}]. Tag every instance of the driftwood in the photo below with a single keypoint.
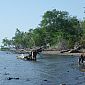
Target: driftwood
[
  {"x": 71, "y": 51},
  {"x": 31, "y": 56},
  {"x": 74, "y": 51},
  {"x": 64, "y": 51},
  {"x": 25, "y": 57}
]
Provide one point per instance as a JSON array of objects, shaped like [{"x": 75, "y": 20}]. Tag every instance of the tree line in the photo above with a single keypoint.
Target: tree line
[{"x": 57, "y": 29}]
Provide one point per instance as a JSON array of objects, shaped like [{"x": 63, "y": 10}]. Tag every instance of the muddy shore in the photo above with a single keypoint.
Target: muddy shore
[
  {"x": 59, "y": 53},
  {"x": 50, "y": 52}
]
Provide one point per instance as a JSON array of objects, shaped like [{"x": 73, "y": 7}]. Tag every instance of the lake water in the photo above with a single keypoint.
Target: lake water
[{"x": 47, "y": 70}]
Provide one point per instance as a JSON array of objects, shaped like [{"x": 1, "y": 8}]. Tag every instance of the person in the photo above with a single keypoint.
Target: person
[{"x": 81, "y": 58}]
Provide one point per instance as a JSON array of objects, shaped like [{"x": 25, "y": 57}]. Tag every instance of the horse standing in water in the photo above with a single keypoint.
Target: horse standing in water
[
  {"x": 34, "y": 54},
  {"x": 81, "y": 59}
]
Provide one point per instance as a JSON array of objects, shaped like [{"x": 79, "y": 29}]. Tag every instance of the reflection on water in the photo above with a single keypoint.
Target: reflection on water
[
  {"x": 47, "y": 70},
  {"x": 82, "y": 67}
]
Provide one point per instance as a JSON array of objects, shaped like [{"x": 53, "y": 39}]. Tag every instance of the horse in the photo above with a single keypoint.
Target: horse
[{"x": 34, "y": 53}]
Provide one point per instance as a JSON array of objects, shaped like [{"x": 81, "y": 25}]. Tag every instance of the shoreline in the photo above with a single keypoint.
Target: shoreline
[
  {"x": 58, "y": 53},
  {"x": 48, "y": 52}
]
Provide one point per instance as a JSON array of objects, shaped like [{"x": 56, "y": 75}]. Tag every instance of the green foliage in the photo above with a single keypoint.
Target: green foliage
[
  {"x": 6, "y": 42},
  {"x": 54, "y": 27},
  {"x": 82, "y": 39},
  {"x": 60, "y": 25}
]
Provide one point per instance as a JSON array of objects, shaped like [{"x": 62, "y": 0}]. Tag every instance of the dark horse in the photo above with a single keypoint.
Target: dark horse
[
  {"x": 81, "y": 58},
  {"x": 34, "y": 53}
]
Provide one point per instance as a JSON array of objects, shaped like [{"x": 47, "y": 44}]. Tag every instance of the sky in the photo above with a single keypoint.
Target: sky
[{"x": 26, "y": 14}]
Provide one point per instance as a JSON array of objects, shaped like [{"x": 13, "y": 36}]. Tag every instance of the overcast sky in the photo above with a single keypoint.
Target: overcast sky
[{"x": 26, "y": 14}]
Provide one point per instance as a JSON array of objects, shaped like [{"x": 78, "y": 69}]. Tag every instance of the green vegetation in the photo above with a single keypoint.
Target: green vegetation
[{"x": 57, "y": 29}]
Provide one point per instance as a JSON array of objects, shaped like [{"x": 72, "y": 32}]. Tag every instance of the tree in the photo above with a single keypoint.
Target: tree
[
  {"x": 54, "y": 28},
  {"x": 59, "y": 23},
  {"x": 6, "y": 42},
  {"x": 18, "y": 38}
]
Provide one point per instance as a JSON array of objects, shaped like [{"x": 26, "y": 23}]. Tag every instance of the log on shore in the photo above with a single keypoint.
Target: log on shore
[{"x": 74, "y": 51}]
